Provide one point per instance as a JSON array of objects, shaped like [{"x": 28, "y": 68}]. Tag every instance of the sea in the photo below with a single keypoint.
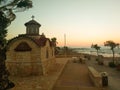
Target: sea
[{"x": 106, "y": 52}]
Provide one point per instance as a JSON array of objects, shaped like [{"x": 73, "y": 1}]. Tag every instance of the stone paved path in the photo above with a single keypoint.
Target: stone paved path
[{"x": 74, "y": 77}]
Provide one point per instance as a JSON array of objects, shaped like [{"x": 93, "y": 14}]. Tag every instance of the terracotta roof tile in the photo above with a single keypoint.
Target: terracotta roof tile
[
  {"x": 39, "y": 41},
  {"x": 42, "y": 41}
]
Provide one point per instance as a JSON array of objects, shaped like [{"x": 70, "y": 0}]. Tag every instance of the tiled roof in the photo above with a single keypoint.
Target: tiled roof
[
  {"x": 39, "y": 41},
  {"x": 42, "y": 41}
]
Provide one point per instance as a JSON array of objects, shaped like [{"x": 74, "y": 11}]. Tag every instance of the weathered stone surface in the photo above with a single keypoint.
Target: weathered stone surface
[
  {"x": 95, "y": 77},
  {"x": 34, "y": 62}
]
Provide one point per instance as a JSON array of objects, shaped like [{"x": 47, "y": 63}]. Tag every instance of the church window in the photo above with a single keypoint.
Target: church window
[{"x": 23, "y": 46}]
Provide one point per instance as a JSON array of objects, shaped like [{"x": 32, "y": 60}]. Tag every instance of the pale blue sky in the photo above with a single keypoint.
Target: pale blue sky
[{"x": 83, "y": 21}]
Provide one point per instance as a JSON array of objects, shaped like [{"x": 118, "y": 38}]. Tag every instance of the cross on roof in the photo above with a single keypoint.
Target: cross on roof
[{"x": 33, "y": 17}]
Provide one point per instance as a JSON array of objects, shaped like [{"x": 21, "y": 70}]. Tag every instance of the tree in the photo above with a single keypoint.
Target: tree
[
  {"x": 7, "y": 15},
  {"x": 112, "y": 45},
  {"x": 54, "y": 42},
  {"x": 8, "y": 7},
  {"x": 95, "y": 46}
]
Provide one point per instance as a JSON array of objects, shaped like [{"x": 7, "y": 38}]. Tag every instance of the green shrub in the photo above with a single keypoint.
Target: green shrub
[
  {"x": 97, "y": 59},
  {"x": 112, "y": 64}
]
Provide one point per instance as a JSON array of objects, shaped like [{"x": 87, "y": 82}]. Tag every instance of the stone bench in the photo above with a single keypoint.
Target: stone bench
[{"x": 95, "y": 77}]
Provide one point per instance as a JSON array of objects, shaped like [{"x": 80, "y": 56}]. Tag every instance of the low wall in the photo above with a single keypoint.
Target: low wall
[{"x": 95, "y": 77}]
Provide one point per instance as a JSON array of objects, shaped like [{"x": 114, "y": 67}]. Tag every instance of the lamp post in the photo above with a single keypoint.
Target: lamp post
[{"x": 65, "y": 45}]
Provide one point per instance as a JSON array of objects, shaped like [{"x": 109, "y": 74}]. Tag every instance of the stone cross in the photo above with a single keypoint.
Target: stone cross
[{"x": 33, "y": 17}]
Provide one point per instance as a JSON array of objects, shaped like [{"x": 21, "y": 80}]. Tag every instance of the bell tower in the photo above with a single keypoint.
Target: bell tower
[{"x": 32, "y": 27}]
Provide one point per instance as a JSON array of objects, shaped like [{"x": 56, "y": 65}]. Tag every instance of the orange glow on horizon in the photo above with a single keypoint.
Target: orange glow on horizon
[{"x": 83, "y": 22}]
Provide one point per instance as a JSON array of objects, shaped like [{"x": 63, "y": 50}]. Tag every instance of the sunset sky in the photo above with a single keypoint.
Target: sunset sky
[{"x": 83, "y": 21}]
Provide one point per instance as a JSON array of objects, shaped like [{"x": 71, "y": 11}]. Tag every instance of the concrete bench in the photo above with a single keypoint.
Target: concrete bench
[{"x": 95, "y": 77}]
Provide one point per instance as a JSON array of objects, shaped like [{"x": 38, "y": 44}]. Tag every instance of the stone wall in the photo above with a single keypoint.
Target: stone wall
[
  {"x": 48, "y": 65},
  {"x": 24, "y": 63},
  {"x": 32, "y": 62},
  {"x": 47, "y": 62},
  {"x": 95, "y": 76},
  {"x": 24, "y": 68}
]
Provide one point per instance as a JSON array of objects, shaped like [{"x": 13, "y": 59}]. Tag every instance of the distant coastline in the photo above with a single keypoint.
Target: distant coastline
[{"x": 106, "y": 52}]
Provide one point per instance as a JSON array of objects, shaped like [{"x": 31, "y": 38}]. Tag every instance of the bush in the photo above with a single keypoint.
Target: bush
[
  {"x": 97, "y": 59},
  {"x": 112, "y": 64}
]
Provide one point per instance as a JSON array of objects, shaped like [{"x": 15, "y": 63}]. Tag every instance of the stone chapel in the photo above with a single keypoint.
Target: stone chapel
[{"x": 30, "y": 53}]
